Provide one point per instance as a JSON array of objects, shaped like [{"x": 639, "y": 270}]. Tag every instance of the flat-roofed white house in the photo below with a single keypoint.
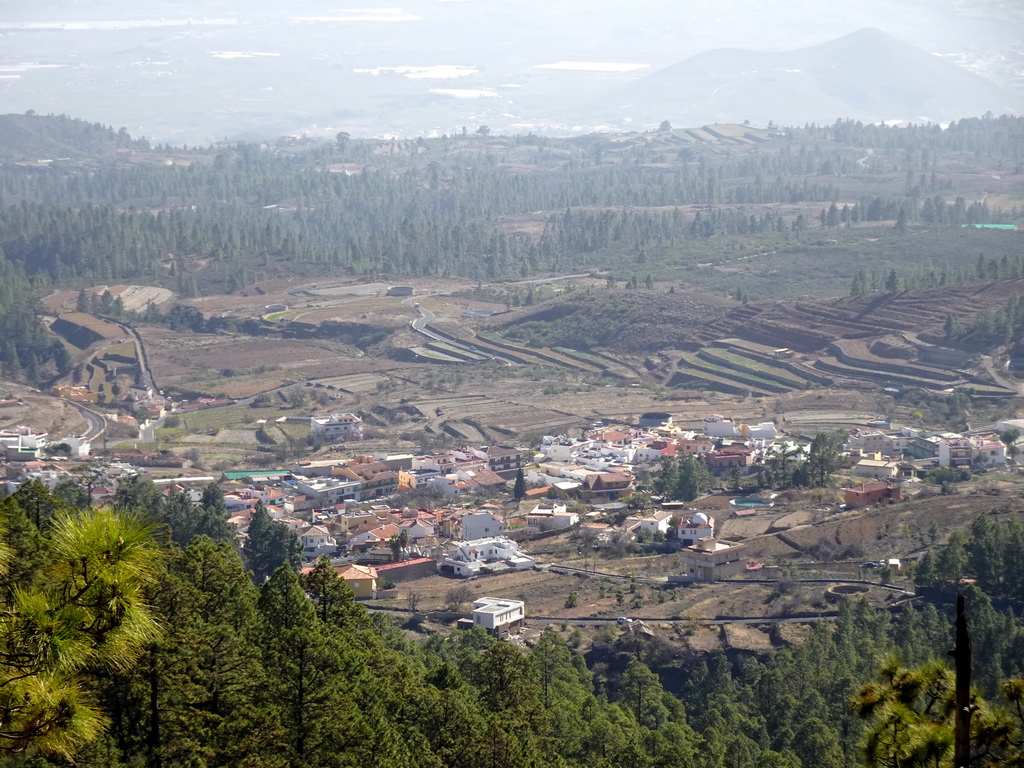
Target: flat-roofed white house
[
  {"x": 875, "y": 468},
  {"x": 552, "y": 516},
  {"x": 497, "y": 553},
  {"x": 337, "y": 426},
  {"x": 968, "y": 451},
  {"x": 498, "y": 615},
  {"x": 479, "y": 525}
]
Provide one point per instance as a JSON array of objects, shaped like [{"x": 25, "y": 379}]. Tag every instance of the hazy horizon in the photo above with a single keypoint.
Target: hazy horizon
[{"x": 204, "y": 71}]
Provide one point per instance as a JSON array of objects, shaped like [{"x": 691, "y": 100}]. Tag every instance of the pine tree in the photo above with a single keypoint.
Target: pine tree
[
  {"x": 334, "y": 600},
  {"x": 519, "y": 490},
  {"x": 87, "y": 613},
  {"x": 269, "y": 545},
  {"x": 199, "y": 692}
]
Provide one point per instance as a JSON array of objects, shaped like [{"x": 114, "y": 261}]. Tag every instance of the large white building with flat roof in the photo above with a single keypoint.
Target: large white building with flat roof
[
  {"x": 498, "y": 615},
  {"x": 337, "y": 426}
]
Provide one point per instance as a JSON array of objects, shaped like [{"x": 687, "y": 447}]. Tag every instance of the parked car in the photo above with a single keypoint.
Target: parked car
[
  {"x": 624, "y": 620},
  {"x": 870, "y": 564}
]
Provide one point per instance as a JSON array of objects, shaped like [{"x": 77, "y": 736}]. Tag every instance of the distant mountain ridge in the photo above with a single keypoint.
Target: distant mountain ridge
[{"x": 866, "y": 75}]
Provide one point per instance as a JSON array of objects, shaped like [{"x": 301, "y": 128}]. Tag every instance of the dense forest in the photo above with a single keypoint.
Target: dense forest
[
  {"x": 487, "y": 208},
  {"x": 217, "y": 665}
]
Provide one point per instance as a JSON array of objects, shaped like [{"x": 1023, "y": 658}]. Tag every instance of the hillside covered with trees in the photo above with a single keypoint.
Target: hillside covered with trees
[{"x": 833, "y": 206}]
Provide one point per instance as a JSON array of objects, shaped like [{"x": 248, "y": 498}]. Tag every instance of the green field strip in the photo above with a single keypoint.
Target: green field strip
[
  {"x": 938, "y": 375},
  {"x": 450, "y": 349},
  {"x": 798, "y": 371},
  {"x": 615, "y": 366},
  {"x": 479, "y": 340},
  {"x": 430, "y": 354},
  {"x": 744, "y": 379},
  {"x": 707, "y": 136},
  {"x": 583, "y": 357},
  {"x": 691, "y": 378},
  {"x": 544, "y": 354},
  {"x": 748, "y": 366},
  {"x": 462, "y": 430}
]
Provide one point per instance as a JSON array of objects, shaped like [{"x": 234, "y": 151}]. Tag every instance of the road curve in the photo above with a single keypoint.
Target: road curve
[{"x": 97, "y": 421}]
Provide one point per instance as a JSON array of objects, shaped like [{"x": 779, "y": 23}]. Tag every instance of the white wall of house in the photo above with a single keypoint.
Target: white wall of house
[
  {"x": 479, "y": 525},
  {"x": 720, "y": 427},
  {"x": 494, "y": 612}
]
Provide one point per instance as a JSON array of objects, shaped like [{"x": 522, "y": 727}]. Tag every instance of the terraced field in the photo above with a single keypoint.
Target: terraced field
[
  {"x": 459, "y": 354},
  {"x": 747, "y": 365},
  {"x": 355, "y": 383},
  {"x": 691, "y": 370},
  {"x": 858, "y": 354},
  {"x": 482, "y": 416},
  {"x": 544, "y": 355},
  {"x": 830, "y": 364},
  {"x": 433, "y": 356}
]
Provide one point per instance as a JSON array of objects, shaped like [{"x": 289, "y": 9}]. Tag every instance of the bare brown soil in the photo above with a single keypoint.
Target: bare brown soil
[{"x": 41, "y": 411}]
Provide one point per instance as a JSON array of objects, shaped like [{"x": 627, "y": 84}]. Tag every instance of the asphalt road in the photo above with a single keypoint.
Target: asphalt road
[{"x": 97, "y": 421}]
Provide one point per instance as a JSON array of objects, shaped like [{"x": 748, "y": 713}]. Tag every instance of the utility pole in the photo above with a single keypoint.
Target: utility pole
[{"x": 964, "y": 709}]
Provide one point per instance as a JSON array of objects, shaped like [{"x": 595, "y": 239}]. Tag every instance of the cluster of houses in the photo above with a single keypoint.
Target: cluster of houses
[
  {"x": 884, "y": 452},
  {"x": 339, "y": 508},
  {"x": 599, "y": 465}
]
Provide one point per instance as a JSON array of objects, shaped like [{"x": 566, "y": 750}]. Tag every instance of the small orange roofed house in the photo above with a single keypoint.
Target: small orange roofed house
[{"x": 361, "y": 578}]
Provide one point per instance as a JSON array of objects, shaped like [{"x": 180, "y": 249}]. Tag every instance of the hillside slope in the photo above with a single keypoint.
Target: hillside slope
[
  {"x": 644, "y": 321},
  {"x": 36, "y": 137}
]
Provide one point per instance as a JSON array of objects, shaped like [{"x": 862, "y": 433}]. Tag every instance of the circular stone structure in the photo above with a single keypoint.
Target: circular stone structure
[
  {"x": 837, "y": 591},
  {"x": 752, "y": 501}
]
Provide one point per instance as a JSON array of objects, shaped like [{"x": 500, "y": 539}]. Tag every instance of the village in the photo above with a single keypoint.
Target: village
[{"x": 386, "y": 520}]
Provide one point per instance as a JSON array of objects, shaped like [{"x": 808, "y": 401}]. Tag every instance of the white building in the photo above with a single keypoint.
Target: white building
[
  {"x": 876, "y": 468},
  {"x": 480, "y": 525},
  {"x": 550, "y": 517},
  {"x": 498, "y": 615},
  {"x": 473, "y": 557},
  {"x": 969, "y": 451},
  {"x": 693, "y": 530},
  {"x": 656, "y": 522},
  {"x": 330, "y": 491},
  {"x": 80, "y": 447},
  {"x": 316, "y": 541},
  {"x": 710, "y": 560},
  {"x": 763, "y": 431},
  {"x": 22, "y": 443},
  {"x": 717, "y": 425},
  {"x": 337, "y": 426},
  {"x": 563, "y": 448}
]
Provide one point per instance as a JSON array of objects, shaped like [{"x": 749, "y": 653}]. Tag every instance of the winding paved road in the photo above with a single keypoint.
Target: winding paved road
[{"x": 97, "y": 421}]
